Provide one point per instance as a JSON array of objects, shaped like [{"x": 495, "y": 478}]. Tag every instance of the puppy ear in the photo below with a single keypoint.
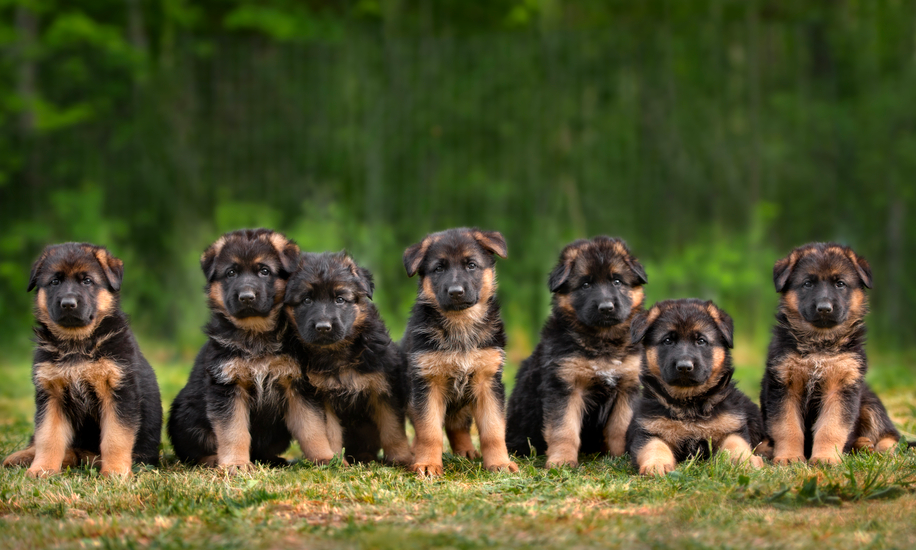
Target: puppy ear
[
  {"x": 112, "y": 267},
  {"x": 783, "y": 269},
  {"x": 36, "y": 270},
  {"x": 293, "y": 293},
  {"x": 637, "y": 268},
  {"x": 559, "y": 275},
  {"x": 414, "y": 255},
  {"x": 722, "y": 320},
  {"x": 209, "y": 257},
  {"x": 287, "y": 251},
  {"x": 492, "y": 241},
  {"x": 862, "y": 267},
  {"x": 642, "y": 323}
]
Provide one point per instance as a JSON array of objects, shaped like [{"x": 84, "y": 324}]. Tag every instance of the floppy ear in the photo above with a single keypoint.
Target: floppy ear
[
  {"x": 209, "y": 257},
  {"x": 365, "y": 280},
  {"x": 559, "y": 275},
  {"x": 36, "y": 269},
  {"x": 293, "y": 293},
  {"x": 492, "y": 241},
  {"x": 637, "y": 268},
  {"x": 862, "y": 267},
  {"x": 783, "y": 269},
  {"x": 112, "y": 267},
  {"x": 287, "y": 251},
  {"x": 414, "y": 255},
  {"x": 642, "y": 323},
  {"x": 723, "y": 322}
]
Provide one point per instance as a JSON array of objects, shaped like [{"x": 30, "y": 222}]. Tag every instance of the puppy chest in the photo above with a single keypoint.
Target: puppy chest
[
  {"x": 676, "y": 432},
  {"x": 459, "y": 364},
  {"x": 349, "y": 382},
  {"x": 823, "y": 372},
  {"x": 613, "y": 373},
  {"x": 260, "y": 372},
  {"x": 101, "y": 376}
]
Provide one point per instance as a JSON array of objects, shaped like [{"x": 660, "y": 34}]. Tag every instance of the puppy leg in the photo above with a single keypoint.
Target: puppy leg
[
  {"x": 307, "y": 424},
  {"x": 834, "y": 424},
  {"x": 395, "y": 447},
  {"x": 562, "y": 429},
  {"x": 458, "y": 431},
  {"x": 231, "y": 428},
  {"x": 739, "y": 451},
  {"x": 786, "y": 429},
  {"x": 335, "y": 432},
  {"x": 489, "y": 416},
  {"x": 428, "y": 411},
  {"x": 53, "y": 434},
  {"x": 117, "y": 436},
  {"x": 20, "y": 458},
  {"x": 655, "y": 458},
  {"x": 617, "y": 423}
]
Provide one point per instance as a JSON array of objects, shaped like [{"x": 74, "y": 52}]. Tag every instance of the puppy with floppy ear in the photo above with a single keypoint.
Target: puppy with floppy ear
[
  {"x": 347, "y": 354},
  {"x": 454, "y": 343},
  {"x": 814, "y": 398},
  {"x": 575, "y": 393},
  {"x": 689, "y": 402},
  {"x": 246, "y": 395},
  {"x": 96, "y": 396}
]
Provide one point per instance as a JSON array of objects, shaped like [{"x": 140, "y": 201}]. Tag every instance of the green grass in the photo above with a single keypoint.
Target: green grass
[{"x": 868, "y": 501}]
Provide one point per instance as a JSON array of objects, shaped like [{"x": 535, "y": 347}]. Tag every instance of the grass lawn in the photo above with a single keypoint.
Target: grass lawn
[{"x": 866, "y": 502}]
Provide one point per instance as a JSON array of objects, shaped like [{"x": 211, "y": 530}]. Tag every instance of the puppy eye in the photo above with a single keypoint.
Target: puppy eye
[
  {"x": 439, "y": 269},
  {"x": 231, "y": 273},
  {"x": 55, "y": 282},
  {"x": 471, "y": 266},
  {"x": 840, "y": 284},
  {"x": 339, "y": 300},
  {"x": 701, "y": 341},
  {"x": 668, "y": 341},
  {"x": 807, "y": 284},
  {"x": 586, "y": 285},
  {"x": 264, "y": 272},
  {"x": 617, "y": 281},
  {"x": 307, "y": 300},
  {"x": 87, "y": 281}
]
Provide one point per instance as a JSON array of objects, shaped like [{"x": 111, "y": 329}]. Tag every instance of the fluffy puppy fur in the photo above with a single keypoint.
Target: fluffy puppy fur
[
  {"x": 246, "y": 395},
  {"x": 690, "y": 405},
  {"x": 814, "y": 398},
  {"x": 96, "y": 396},
  {"x": 347, "y": 354},
  {"x": 454, "y": 343},
  {"x": 575, "y": 393}
]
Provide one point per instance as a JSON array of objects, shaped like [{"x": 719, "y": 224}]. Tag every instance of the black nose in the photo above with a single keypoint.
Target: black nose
[
  {"x": 606, "y": 307},
  {"x": 247, "y": 297},
  {"x": 323, "y": 326},
  {"x": 684, "y": 366},
  {"x": 456, "y": 291},
  {"x": 824, "y": 307},
  {"x": 68, "y": 303}
]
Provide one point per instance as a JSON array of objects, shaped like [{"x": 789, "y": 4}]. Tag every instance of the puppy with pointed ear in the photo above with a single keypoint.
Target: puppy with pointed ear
[
  {"x": 689, "y": 399},
  {"x": 80, "y": 324},
  {"x": 347, "y": 354},
  {"x": 575, "y": 393},
  {"x": 817, "y": 351},
  {"x": 454, "y": 341}
]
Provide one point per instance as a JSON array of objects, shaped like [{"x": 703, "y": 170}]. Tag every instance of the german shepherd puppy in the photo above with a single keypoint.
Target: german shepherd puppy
[
  {"x": 575, "y": 393},
  {"x": 814, "y": 398},
  {"x": 95, "y": 394},
  {"x": 689, "y": 401},
  {"x": 348, "y": 355},
  {"x": 454, "y": 343},
  {"x": 246, "y": 394}
]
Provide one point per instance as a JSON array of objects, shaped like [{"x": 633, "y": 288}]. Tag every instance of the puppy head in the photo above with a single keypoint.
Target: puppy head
[
  {"x": 246, "y": 274},
  {"x": 456, "y": 267},
  {"x": 686, "y": 344},
  {"x": 598, "y": 281},
  {"x": 327, "y": 296},
  {"x": 78, "y": 285},
  {"x": 823, "y": 285}
]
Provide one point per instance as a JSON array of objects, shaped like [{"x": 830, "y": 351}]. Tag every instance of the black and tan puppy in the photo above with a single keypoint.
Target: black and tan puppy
[
  {"x": 348, "y": 355},
  {"x": 814, "y": 398},
  {"x": 454, "y": 343},
  {"x": 689, "y": 401},
  {"x": 246, "y": 394},
  {"x": 575, "y": 393},
  {"x": 95, "y": 394}
]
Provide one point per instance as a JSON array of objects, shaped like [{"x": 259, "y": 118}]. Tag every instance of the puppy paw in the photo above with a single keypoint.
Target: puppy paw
[
  {"x": 237, "y": 468},
  {"x": 656, "y": 468},
  {"x": 427, "y": 470},
  {"x": 755, "y": 462},
  {"x": 401, "y": 459},
  {"x": 20, "y": 458},
  {"x": 42, "y": 472},
  {"x": 787, "y": 460},
  {"x": 470, "y": 453},
  {"x": 825, "y": 460},
  {"x": 116, "y": 472},
  {"x": 510, "y": 467},
  {"x": 886, "y": 444},
  {"x": 561, "y": 462}
]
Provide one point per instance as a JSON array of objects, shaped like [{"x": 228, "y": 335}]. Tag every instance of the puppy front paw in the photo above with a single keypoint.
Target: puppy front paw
[
  {"x": 510, "y": 467},
  {"x": 427, "y": 470},
  {"x": 20, "y": 458},
  {"x": 657, "y": 468},
  {"x": 786, "y": 460}
]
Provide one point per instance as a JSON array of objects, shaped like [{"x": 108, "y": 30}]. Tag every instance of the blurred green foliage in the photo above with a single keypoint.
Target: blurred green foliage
[{"x": 712, "y": 135}]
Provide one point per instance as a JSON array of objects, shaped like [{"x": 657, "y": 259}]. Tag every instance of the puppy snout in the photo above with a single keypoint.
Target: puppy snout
[
  {"x": 247, "y": 297},
  {"x": 824, "y": 306},
  {"x": 684, "y": 366},
  {"x": 456, "y": 291},
  {"x": 323, "y": 326},
  {"x": 68, "y": 304},
  {"x": 606, "y": 307}
]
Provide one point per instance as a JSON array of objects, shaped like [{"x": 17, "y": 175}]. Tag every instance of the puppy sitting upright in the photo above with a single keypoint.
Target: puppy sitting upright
[
  {"x": 814, "y": 397},
  {"x": 689, "y": 401},
  {"x": 454, "y": 342},
  {"x": 94, "y": 391},
  {"x": 246, "y": 393},
  {"x": 348, "y": 355},
  {"x": 575, "y": 393}
]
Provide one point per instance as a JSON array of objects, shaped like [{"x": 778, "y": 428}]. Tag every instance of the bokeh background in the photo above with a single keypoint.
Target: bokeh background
[{"x": 712, "y": 135}]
